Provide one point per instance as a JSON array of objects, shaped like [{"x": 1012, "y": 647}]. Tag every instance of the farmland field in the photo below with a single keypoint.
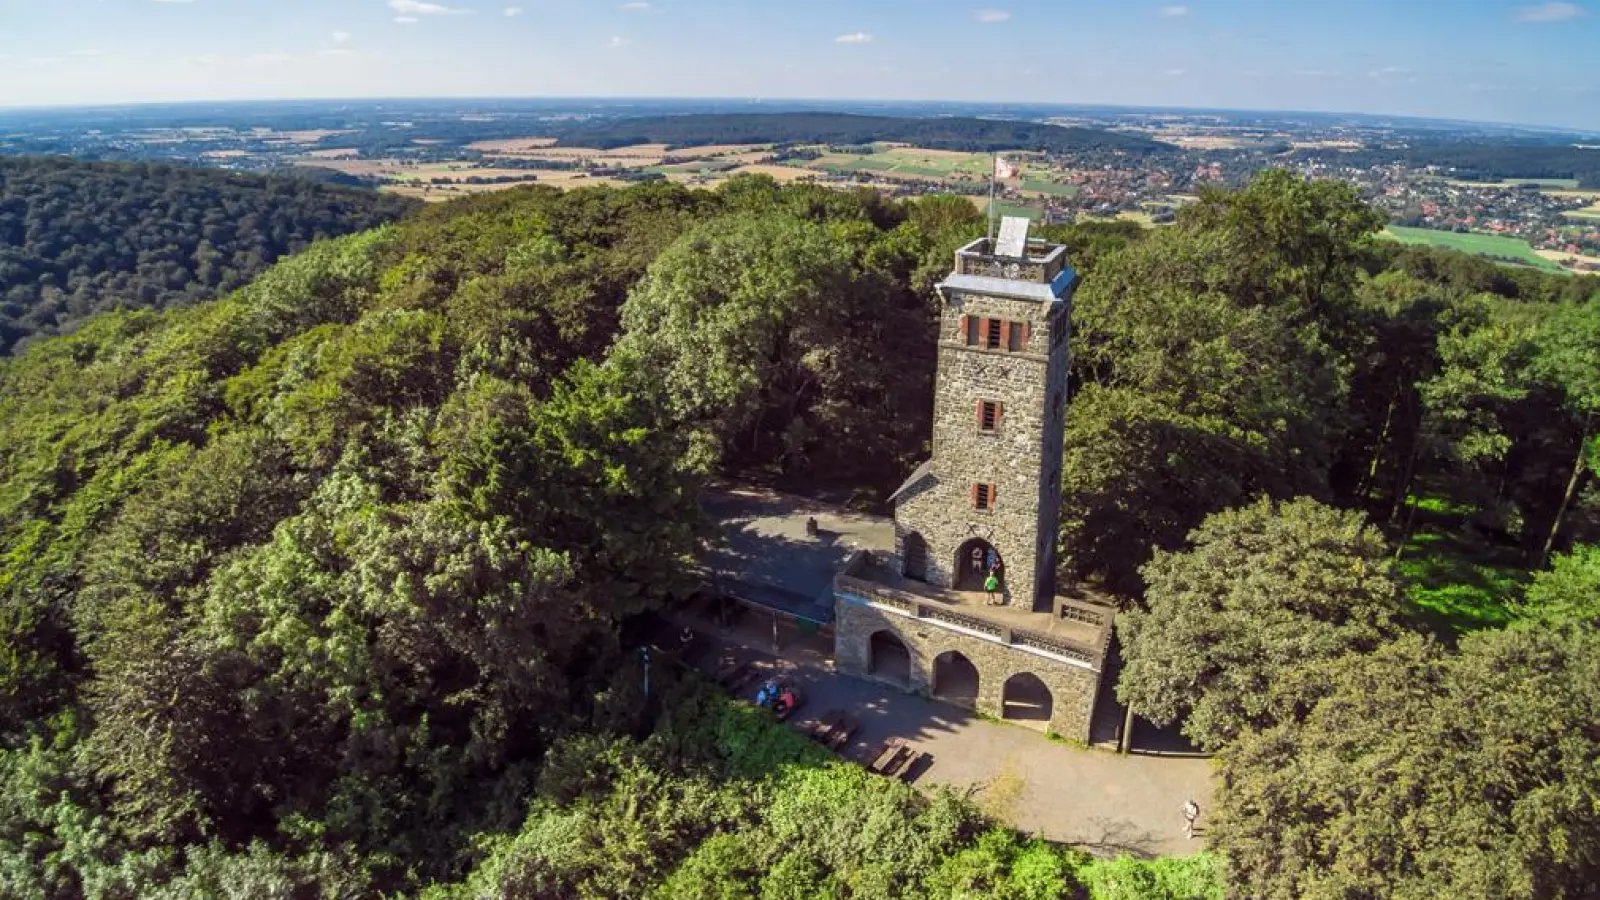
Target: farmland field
[
  {"x": 1048, "y": 186},
  {"x": 1513, "y": 249},
  {"x": 1588, "y": 212},
  {"x": 910, "y": 161}
]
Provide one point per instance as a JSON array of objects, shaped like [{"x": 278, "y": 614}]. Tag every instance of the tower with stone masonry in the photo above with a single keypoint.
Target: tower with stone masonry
[{"x": 991, "y": 493}]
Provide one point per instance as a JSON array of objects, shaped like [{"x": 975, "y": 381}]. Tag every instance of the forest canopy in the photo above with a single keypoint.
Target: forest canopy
[
  {"x": 950, "y": 133},
  {"x": 331, "y": 585},
  {"x": 80, "y": 238}
]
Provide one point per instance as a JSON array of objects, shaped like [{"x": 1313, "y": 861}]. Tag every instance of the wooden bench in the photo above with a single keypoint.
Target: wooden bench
[
  {"x": 834, "y": 729},
  {"x": 895, "y": 759}
]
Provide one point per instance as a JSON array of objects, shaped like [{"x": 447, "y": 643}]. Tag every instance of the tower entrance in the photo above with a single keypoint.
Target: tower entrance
[{"x": 974, "y": 561}]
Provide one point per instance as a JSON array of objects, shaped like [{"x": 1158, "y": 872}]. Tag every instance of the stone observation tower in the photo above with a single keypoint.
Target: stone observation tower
[{"x": 983, "y": 511}]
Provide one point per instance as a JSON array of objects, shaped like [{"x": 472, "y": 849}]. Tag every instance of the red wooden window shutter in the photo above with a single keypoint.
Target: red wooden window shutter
[
  {"x": 1005, "y": 335},
  {"x": 966, "y": 329},
  {"x": 974, "y": 496},
  {"x": 993, "y": 494},
  {"x": 980, "y": 413},
  {"x": 999, "y": 410},
  {"x": 1026, "y": 332}
]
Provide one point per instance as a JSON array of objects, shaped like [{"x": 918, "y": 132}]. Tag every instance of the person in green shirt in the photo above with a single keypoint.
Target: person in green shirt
[{"x": 991, "y": 584}]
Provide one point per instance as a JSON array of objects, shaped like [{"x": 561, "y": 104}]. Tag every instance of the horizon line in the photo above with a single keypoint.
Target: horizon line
[{"x": 6, "y": 109}]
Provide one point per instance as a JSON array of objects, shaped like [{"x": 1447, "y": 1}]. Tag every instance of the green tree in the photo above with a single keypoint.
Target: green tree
[
  {"x": 1260, "y": 590},
  {"x": 1568, "y": 593},
  {"x": 1420, "y": 773},
  {"x": 1569, "y": 357}
]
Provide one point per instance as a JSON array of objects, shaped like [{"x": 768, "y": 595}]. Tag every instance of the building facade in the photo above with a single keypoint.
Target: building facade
[{"x": 971, "y": 584}]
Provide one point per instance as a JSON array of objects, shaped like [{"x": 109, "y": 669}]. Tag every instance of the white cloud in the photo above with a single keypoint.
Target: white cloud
[
  {"x": 86, "y": 52},
  {"x": 859, "y": 37},
  {"x": 1550, "y": 12},
  {"x": 991, "y": 16},
  {"x": 1172, "y": 12},
  {"x": 635, "y": 7},
  {"x": 512, "y": 12},
  {"x": 1388, "y": 71},
  {"x": 406, "y": 20},
  {"x": 617, "y": 41},
  {"x": 340, "y": 37},
  {"x": 418, "y": 8}
]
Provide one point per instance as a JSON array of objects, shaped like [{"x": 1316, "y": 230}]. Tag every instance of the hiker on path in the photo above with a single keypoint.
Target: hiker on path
[{"x": 1191, "y": 812}]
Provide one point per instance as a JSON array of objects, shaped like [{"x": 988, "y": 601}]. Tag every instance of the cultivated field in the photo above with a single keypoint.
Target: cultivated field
[
  {"x": 1508, "y": 248},
  {"x": 892, "y": 165},
  {"x": 1557, "y": 256},
  {"x": 512, "y": 145},
  {"x": 1591, "y": 213}
]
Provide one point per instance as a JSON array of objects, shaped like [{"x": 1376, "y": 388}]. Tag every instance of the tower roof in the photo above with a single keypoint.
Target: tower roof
[{"x": 1040, "y": 272}]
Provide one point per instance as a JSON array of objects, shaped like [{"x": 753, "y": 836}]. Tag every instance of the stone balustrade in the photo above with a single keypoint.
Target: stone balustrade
[
  {"x": 974, "y": 259},
  {"x": 972, "y": 622}
]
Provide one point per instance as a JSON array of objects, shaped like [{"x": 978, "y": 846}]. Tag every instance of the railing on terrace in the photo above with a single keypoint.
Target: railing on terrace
[{"x": 917, "y": 608}]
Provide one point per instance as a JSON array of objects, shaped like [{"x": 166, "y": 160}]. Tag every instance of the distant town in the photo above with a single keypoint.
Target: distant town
[{"x": 1519, "y": 196}]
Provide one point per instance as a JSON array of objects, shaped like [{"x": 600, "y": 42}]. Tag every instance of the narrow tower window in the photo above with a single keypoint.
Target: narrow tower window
[
  {"x": 989, "y": 415},
  {"x": 992, "y": 338},
  {"x": 983, "y": 496}
]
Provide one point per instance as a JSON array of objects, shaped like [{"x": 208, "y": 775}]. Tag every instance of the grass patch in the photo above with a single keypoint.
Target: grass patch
[
  {"x": 1457, "y": 586},
  {"x": 1497, "y": 247},
  {"x": 1013, "y": 209},
  {"x": 1046, "y": 186}
]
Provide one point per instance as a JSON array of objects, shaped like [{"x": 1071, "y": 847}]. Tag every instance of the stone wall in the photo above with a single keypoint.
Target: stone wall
[
  {"x": 1072, "y": 686},
  {"x": 1019, "y": 457}
]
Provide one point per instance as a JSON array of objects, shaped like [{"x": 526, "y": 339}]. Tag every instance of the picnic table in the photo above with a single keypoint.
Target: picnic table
[
  {"x": 834, "y": 729},
  {"x": 895, "y": 758}
]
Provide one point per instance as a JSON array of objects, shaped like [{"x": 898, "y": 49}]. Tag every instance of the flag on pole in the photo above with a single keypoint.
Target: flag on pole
[{"x": 1004, "y": 169}]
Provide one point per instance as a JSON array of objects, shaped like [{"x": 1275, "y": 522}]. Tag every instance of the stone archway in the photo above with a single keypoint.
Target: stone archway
[
  {"x": 974, "y": 560},
  {"x": 955, "y": 679},
  {"x": 888, "y": 658},
  {"x": 915, "y": 556},
  {"x": 1026, "y": 701}
]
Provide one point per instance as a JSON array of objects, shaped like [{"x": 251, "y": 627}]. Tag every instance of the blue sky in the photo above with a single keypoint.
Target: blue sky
[{"x": 1526, "y": 62}]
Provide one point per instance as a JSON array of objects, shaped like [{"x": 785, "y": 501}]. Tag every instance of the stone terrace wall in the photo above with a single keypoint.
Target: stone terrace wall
[{"x": 1072, "y": 687}]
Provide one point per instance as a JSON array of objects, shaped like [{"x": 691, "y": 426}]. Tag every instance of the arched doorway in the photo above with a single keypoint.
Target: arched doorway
[
  {"x": 1026, "y": 700},
  {"x": 887, "y": 657},
  {"x": 974, "y": 560},
  {"x": 955, "y": 679},
  {"x": 915, "y": 556}
]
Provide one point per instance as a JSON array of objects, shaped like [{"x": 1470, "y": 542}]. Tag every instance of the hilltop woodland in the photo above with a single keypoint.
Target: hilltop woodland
[
  {"x": 81, "y": 238},
  {"x": 329, "y": 587},
  {"x": 948, "y": 133}
]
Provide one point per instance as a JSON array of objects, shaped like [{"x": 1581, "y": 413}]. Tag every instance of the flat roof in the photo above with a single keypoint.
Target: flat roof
[{"x": 1006, "y": 287}]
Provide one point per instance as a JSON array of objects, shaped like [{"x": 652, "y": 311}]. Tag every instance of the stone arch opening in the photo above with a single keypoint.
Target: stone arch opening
[
  {"x": 888, "y": 658},
  {"x": 974, "y": 561},
  {"x": 955, "y": 679},
  {"x": 1026, "y": 700},
  {"x": 915, "y": 557}
]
